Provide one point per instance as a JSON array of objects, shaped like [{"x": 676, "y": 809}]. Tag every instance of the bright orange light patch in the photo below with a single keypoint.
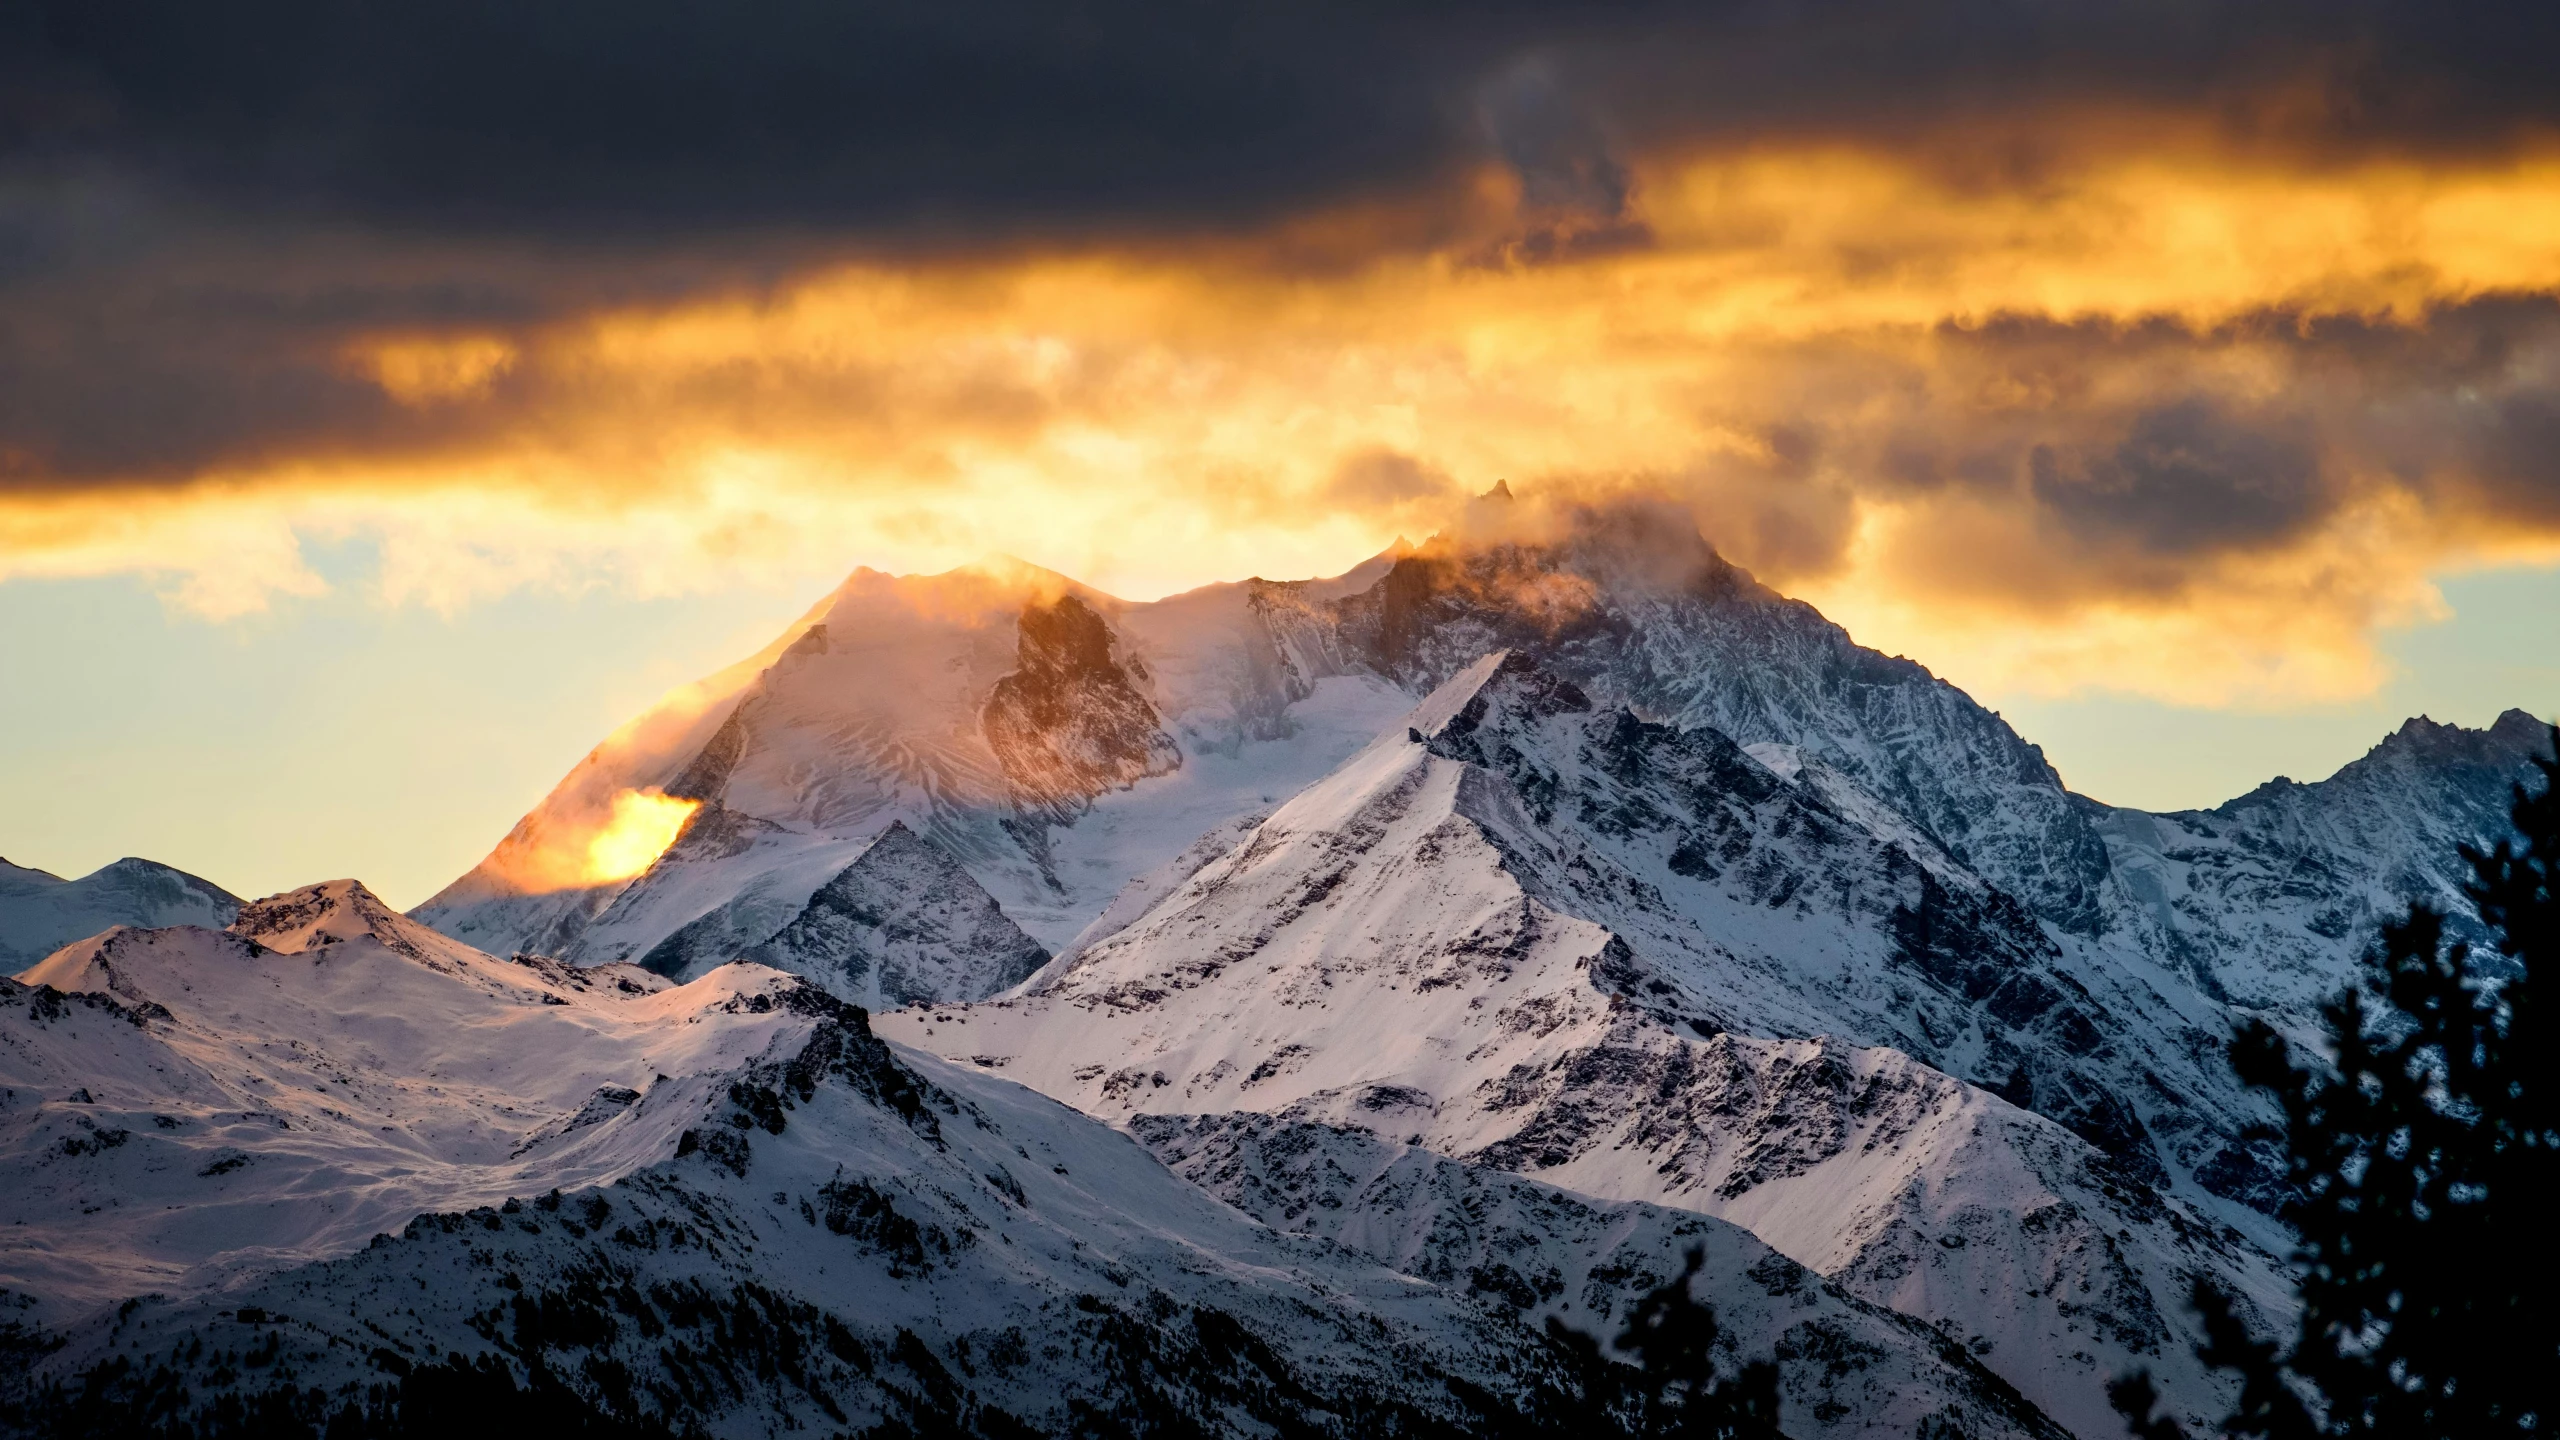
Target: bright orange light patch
[{"x": 644, "y": 823}]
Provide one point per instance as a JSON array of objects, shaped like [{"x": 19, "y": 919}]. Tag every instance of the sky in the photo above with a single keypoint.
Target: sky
[{"x": 395, "y": 399}]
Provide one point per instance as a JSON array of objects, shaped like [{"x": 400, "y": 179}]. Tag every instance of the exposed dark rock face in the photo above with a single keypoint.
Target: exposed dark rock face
[
  {"x": 904, "y": 925},
  {"x": 704, "y": 775},
  {"x": 1637, "y": 609},
  {"x": 1659, "y": 833},
  {"x": 1068, "y": 725}
]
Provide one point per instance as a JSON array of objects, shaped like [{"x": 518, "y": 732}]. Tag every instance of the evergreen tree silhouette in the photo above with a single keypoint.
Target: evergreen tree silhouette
[
  {"x": 2424, "y": 1157},
  {"x": 1673, "y": 1392}
]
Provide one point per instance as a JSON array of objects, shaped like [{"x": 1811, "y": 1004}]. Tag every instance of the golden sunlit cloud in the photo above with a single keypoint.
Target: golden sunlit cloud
[
  {"x": 433, "y": 369},
  {"x": 2086, "y": 430}
]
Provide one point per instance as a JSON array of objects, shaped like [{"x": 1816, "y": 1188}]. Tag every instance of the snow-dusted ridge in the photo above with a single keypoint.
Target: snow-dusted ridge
[
  {"x": 2259, "y": 898},
  {"x": 330, "y": 1151},
  {"x": 41, "y": 912},
  {"x": 1557, "y": 849},
  {"x": 883, "y": 705},
  {"x": 1478, "y": 936}
]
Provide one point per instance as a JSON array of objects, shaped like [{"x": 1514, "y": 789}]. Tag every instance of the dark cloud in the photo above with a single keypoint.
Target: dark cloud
[
  {"x": 2189, "y": 478},
  {"x": 2123, "y": 452},
  {"x": 1575, "y": 193},
  {"x": 1554, "y": 145},
  {"x": 2514, "y": 446},
  {"x": 638, "y": 117},
  {"x": 201, "y": 205},
  {"x": 964, "y": 117}
]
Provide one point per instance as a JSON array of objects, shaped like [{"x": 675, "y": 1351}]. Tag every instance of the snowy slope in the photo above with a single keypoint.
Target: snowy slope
[
  {"x": 1016, "y": 720},
  {"x": 1405, "y": 946},
  {"x": 1549, "y": 1253},
  {"x": 1803, "y": 906},
  {"x": 41, "y": 912},
  {"x": 2264, "y": 897},
  {"x": 903, "y": 925},
  {"x": 240, "y": 1100},
  {"x": 332, "y": 1151}
]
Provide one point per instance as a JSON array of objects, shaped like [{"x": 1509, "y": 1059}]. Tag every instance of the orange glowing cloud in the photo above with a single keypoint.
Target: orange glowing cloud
[{"x": 1948, "y": 409}]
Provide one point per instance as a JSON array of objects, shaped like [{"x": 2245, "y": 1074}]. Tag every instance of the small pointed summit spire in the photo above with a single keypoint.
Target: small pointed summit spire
[{"x": 1501, "y": 491}]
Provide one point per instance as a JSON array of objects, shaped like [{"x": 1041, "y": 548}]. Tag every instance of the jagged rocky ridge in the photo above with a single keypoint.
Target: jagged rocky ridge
[
  {"x": 330, "y": 1168},
  {"x": 42, "y": 912},
  {"x": 1058, "y": 743},
  {"x": 902, "y": 925},
  {"x": 1525, "y": 932},
  {"x": 2258, "y": 898}
]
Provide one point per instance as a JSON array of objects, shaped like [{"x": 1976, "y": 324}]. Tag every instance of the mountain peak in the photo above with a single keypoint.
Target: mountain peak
[
  {"x": 16, "y": 875},
  {"x": 331, "y": 912},
  {"x": 904, "y": 924},
  {"x": 41, "y": 912},
  {"x": 2504, "y": 742},
  {"x": 2523, "y": 730},
  {"x": 1459, "y": 691}
]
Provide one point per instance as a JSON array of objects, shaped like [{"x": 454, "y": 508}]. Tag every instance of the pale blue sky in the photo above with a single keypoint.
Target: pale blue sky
[{"x": 338, "y": 736}]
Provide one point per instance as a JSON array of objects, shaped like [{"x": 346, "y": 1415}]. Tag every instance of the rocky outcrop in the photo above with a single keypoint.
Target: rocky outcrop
[
  {"x": 904, "y": 925},
  {"x": 1635, "y": 608},
  {"x": 1069, "y": 723}
]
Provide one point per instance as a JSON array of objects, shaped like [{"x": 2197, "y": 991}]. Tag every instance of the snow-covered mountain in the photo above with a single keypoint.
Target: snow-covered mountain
[
  {"x": 2260, "y": 897},
  {"x": 1052, "y": 740},
  {"x": 1058, "y": 743},
  {"x": 902, "y": 925},
  {"x": 328, "y": 1162},
  {"x": 1770, "y": 884},
  {"x": 1522, "y": 930},
  {"x": 1550, "y": 1253},
  {"x": 1555, "y": 852},
  {"x": 41, "y": 912}
]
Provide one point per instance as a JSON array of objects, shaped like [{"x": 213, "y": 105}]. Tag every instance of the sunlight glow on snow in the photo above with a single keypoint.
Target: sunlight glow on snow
[{"x": 644, "y": 824}]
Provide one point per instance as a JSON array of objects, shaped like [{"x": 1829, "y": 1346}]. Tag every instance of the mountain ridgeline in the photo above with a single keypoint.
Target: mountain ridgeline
[{"x": 1270, "y": 1009}]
